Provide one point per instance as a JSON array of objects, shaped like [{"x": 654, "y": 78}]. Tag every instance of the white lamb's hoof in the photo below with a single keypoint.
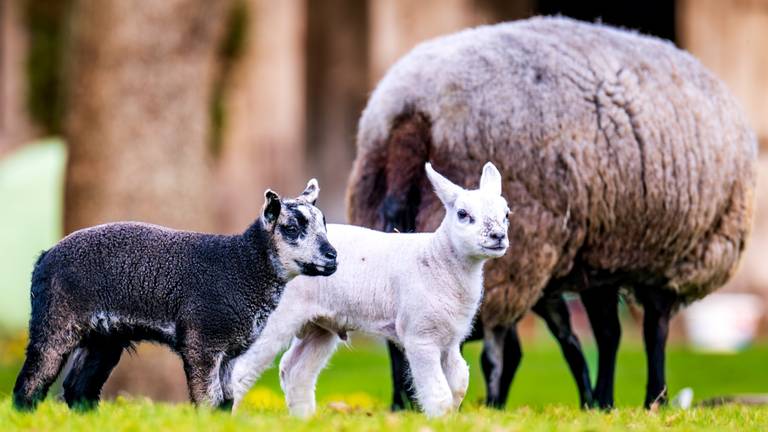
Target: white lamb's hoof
[
  {"x": 437, "y": 407},
  {"x": 302, "y": 409},
  {"x": 458, "y": 398}
]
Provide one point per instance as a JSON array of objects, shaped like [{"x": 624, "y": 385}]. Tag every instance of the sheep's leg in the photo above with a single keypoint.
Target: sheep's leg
[
  {"x": 301, "y": 365},
  {"x": 44, "y": 361},
  {"x": 91, "y": 367},
  {"x": 457, "y": 374},
  {"x": 432, "y": 390},
  {"x": 657, "y": 310},
  {"x": 500, "y": 359},
  {"x": 601, "y": 305},
  {"x": 554, "y": 311},
  {"x": 280, "y": 329},
  {"x": 402, "y": 390}
]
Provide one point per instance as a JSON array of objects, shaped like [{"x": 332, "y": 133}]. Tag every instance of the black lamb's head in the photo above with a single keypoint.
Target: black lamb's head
[{"x": 299, "y": 234}]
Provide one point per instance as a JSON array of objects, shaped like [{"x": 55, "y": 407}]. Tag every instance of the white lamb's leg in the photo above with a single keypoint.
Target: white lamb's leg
[
  {"x": 457, "y": 374},
  {"x": 281, "y": 326},
  {"x": 300, "y": 367},
  {"x": 432, "y": 390}
]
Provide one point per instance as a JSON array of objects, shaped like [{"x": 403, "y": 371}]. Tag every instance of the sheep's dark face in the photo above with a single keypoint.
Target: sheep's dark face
[
  {"x": 299, "y": 233},
  {"x": 476, "y": 220}
]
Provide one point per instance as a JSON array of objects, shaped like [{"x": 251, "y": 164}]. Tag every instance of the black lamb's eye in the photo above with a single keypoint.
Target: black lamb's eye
[
  {"x": 291, "y": 230},
  {"x": 462, "y": 214}
]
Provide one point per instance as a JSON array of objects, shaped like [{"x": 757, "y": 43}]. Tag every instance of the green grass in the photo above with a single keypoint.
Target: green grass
[
  {"x": 143, "y": 415},
  {"x": 30, "y": 213},
  {"x": 353, "y": 394}
]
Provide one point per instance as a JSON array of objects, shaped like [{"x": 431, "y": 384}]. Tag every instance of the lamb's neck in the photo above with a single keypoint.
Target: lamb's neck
[
  {"x": 259, "y": 259},
  {"x": 463, "y": 268}
]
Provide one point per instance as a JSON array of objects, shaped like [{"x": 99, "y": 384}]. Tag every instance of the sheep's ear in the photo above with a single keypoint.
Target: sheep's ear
[
  {"x": 310, "y": 193},
  {"x": 490, "y": 180},
  {"x": 271, "y": 210},
  {"x": 446, "y": 190}
]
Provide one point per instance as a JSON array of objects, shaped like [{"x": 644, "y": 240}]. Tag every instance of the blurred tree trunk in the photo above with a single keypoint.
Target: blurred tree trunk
[
  {"x": 730, "y": 37},
  {"x": 337, "y": 87},
  {"x": 139, "y": 82},
  {"x": 398, "y": 25},
  {"x": 263, "y": 112},
  {"x": 15, "y": 124},
  {"x": 138, "y": 120}
]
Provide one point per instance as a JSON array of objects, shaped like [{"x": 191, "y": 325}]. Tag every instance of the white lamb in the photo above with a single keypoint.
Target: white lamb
[{"x": 420, "y": 291}]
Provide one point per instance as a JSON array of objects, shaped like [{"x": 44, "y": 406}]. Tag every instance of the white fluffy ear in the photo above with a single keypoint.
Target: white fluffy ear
[
  {"x": 311, "y": 192},
  {"x": 490, "y": 180},
  {"x": 446, "y": 190}
]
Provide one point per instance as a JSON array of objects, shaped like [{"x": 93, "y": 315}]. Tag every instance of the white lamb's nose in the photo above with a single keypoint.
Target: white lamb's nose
[{"x": 498, "y": 236}]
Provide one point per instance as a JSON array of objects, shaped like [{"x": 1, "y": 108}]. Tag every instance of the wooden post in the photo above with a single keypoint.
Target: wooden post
[
  {"x": 399, "y": 25},
  {"x": 730, "y": 37},
  {"x": 263, "y": 136},
  {"x": 337, "y": 87}
]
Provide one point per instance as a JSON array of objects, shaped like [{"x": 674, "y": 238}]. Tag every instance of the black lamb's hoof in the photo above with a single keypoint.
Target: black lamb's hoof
[{"x": 226, "y": 405}]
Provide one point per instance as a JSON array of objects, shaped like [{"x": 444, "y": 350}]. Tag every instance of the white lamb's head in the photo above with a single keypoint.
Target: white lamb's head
[{"x": 476, "y": 220}]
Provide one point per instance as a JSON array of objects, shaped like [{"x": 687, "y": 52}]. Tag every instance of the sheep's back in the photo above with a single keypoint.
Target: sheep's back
[{"x": 620, "y": 152}]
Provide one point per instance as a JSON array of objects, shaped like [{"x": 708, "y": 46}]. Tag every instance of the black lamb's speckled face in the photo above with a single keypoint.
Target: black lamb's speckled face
[{"x": 299, "y": 233}]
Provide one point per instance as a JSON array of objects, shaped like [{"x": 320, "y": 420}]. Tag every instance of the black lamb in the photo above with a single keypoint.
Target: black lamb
[{"x": 207, "y": 296}]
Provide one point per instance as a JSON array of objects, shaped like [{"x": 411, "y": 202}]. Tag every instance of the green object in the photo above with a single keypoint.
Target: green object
[{"x": 31, "y": 189}]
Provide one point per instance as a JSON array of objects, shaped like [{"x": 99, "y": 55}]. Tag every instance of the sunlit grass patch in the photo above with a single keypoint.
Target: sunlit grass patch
[{"x": 143, "y": 415}]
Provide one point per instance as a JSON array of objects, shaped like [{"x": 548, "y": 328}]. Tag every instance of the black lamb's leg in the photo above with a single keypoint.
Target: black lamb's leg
[
  {"x": 601, "y": 305},
  {"x": 91, "y": 367},
  {"x": 47, "y": 352},
  {"x": 554, "y": 311},
  {"x": 403, "y": 393},
  {"x": 657, "y": 310},
  {"x": 500, "y": 359}
]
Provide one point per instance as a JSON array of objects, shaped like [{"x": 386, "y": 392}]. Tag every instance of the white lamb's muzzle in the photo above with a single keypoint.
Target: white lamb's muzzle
[{"x": 495, "y": 250}]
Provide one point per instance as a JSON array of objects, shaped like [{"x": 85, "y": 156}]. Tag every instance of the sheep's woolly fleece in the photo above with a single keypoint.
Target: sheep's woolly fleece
[{"x": 621, "y": 154}]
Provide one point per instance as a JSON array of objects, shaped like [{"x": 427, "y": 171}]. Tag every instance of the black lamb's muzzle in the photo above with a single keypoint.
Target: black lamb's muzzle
[{"x": 325, "y": 266}]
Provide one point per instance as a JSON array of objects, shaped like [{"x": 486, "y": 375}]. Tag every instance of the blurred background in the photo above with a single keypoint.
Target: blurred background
[{"x": 181, "y": 113}]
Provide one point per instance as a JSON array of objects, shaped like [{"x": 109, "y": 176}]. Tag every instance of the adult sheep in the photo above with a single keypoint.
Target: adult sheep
[{"x": 625, "y": 163}]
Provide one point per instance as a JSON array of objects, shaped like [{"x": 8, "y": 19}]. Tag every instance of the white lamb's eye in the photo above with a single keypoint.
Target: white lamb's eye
[{"x": 464, "y": 217}]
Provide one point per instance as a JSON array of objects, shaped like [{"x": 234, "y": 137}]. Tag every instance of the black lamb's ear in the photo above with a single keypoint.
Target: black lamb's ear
[
  {"x": 271, "y": 209},
  {"x": 311, "y": 192}
]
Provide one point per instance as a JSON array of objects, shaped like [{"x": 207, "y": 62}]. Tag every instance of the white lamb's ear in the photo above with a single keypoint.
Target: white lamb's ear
[
  {"x": 311, "y": 192},
  {"x": 490, "y": 180},
  {"x": 271, "y": 210},
  {"x": 446, "y": 190}
]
